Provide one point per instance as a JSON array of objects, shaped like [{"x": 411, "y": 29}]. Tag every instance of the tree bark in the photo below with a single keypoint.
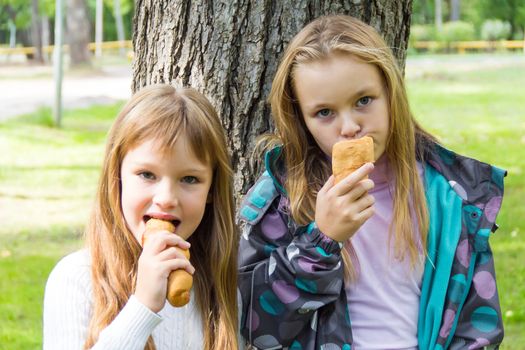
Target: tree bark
[
  {"x": 36, "y": 32},
  {"x": 229, "y": 50},
  {"x": 78, "y": 32}
]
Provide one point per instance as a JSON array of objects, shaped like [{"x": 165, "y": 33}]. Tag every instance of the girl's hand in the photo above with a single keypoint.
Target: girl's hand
[
  {"x": 342, "y": 208},
  {"x": 159, "y": 257}
]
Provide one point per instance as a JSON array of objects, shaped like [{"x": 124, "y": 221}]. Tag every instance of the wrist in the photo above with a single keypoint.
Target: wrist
[
  {"x": 323, "y": 237},
  {"x": 325, "y": 232},
  {"x": 146, "y": 302}
]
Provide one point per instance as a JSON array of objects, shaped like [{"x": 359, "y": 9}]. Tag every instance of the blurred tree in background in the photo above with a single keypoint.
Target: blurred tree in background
[
  {"x": 16, "y": 20},
  {"x": 28, "y": 25}
]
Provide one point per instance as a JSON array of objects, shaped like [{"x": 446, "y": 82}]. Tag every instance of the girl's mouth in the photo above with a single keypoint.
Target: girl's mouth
[{"x": 175, "y": 222}]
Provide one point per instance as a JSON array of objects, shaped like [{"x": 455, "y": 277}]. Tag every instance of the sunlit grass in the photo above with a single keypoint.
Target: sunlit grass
[{"x": 48, "y": 175}]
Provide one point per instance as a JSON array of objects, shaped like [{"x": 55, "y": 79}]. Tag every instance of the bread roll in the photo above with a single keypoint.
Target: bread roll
[
  {"x": 179, "y": 281},
  {"x": 350, "y": 155}
]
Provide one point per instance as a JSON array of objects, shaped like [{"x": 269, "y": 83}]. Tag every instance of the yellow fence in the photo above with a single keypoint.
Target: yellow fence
[
  {"x": 107, "y": 45},
  {"x": 463, "y": 46},
  {"x": 460, "y": 46}
]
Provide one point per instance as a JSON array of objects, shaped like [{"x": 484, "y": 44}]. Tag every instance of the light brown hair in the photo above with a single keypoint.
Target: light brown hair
[
  {"x": 307, "y": 168},
  {"x": 162, "y": 112}
]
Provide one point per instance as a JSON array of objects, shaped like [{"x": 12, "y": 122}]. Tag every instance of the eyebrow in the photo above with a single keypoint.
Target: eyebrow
[
  {"x": 195, "y": 170},
  {"x": 188, "y": 169},
  {"x": 362, "y": 91}
]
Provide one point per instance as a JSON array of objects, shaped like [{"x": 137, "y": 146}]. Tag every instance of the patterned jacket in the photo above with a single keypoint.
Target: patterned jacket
[{"x": 291, "y": 276}]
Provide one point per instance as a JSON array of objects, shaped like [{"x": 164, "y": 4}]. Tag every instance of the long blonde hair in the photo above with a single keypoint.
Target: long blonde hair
[
  {"x": 307, "y": 168},
  {"x": 163, "y": 112}
]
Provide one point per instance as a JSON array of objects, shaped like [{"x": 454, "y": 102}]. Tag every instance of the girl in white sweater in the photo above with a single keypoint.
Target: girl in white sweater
[{"x": 166, "y": 158}]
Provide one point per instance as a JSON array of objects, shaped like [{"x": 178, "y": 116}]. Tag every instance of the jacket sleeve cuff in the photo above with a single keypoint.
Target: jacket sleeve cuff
[{"x": 319, "y": 239}]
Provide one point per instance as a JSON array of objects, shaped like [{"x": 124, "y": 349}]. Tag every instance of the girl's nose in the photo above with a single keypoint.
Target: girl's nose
[
  {"x": 349, "y": 126},
  {"x": 165, "y": 196}
]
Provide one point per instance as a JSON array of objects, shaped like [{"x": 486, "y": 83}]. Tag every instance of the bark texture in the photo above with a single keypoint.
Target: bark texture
[
  {"x": 229, "y": 50},
  {"x": 78, "y": 32},
  {"x": 36, "y": 31}
]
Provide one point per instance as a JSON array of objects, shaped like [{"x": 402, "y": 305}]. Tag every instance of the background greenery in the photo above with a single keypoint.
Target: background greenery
[
  {"x": 471, "y": 15},
  {"x": 19, "y": 13},
  {"x": 48, "y": 176}
]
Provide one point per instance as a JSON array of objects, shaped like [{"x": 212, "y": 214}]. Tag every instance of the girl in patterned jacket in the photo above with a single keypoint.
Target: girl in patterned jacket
[{"x": 396, "y": 255}]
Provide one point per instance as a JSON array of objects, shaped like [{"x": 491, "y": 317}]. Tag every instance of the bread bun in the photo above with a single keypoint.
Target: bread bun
[{"x": 350, "y": 155}]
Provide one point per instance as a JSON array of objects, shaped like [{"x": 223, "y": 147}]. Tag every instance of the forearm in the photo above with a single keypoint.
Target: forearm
[{"x": 68, "y": 311}]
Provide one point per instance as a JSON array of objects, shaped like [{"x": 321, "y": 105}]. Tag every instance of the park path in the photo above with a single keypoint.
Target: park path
[{"x": 25, "y": 89}]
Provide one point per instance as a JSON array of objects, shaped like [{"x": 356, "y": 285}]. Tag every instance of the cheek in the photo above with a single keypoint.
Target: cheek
[
  {"x": 311, "y": 127},
  {"x": 132, "y": 199},
  {"x": 200, "y": 202},
  {"x": 128, "y": 206}
]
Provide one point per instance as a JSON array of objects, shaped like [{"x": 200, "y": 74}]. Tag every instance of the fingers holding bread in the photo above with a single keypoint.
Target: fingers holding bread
[{"x": 179, "y": 281}]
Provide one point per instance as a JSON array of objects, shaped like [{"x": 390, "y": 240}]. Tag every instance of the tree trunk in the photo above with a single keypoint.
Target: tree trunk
[
  {"x": 120, "y": 26},
  {"x": 455, "y": 8},
  {"x": 229, "y": 50},
  {"x": 36, "y": 32},
  {"x": 438, "y": 13},
  {"x": 45, "y": 36},
  {"x": 78, "y": 32},
  {"x": 12, "y": 33},
  {"x": 99, "y": 27}
]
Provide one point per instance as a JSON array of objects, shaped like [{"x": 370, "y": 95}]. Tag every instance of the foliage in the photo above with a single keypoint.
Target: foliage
[
  {"x": 109, "y": 22},
  {"x": 457, "y": 31},
  {"x": 512, "y": 11},
  {"x": 422, "y": 12},
  {"x": 476, "y": 12},
  {"x": 495, "y": 29},
  {"x": 19, "y": 12},
  {"x": 422, "y": 32}
]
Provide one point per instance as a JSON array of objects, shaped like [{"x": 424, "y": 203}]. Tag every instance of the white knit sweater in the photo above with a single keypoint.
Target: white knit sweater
[{"x": 68, "y": 308}]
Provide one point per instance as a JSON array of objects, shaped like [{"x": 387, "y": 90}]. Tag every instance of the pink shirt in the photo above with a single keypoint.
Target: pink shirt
[{"x": 384, "y": 301}]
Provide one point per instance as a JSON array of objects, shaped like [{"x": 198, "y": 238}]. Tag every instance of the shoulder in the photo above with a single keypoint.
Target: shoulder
[
  {"x": 474, "y": 181},
  {"x": 266, "y": 189},
  {"x": 258, "y": 199},
  {"x": 73, "y": 269}
]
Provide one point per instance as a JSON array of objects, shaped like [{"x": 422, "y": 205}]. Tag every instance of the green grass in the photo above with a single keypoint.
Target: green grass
[
  {"x": 27, "y": 260},
  {"x": 50, "y": 174},
  {"x": 48, "y": 178}
]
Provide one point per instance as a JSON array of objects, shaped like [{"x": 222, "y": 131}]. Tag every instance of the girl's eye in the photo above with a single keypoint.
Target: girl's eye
[
  {"x": 324, "y": 113},
  {"x": 363, "y": 101},
  {"x": 190, "y": 179},
  {"x": 146, "y": 175}
]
